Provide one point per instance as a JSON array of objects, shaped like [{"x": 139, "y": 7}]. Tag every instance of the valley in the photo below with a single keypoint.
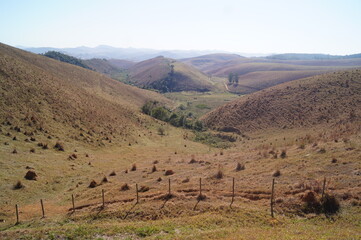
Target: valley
[{"x": 83, "y": 132}]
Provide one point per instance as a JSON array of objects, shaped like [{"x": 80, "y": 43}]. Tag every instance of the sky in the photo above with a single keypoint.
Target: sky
[{"x": 254, "y": 26}]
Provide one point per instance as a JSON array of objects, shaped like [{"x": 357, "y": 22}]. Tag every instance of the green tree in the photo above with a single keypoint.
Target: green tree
[
  {"x": 230, "y": 77},
  {"x": 236, "y": 79}
]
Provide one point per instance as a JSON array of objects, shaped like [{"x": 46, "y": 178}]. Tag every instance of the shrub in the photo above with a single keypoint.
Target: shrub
[
  {"x": 14, "y": 151},
  {"x": 155, "y": 162},
  {"x": 134, "y": 167},
  {"x": 159, "y": 179},
  {"x": 201, "y": 197},
  {"x": 276, "y": 173},
  {"x": 283, "y": 154},
  {"x": 18, "y": 185},
  {"x": 185, "y": 180},
  {"x": 45, "y": 146},
  {"x": 219, "y": 174},
  {"x": 161, "y": 131},
  {"x": 334, "y": 160},
  {"x": 112, "y": 173},
  {"x": 154, "y": 169},
  {"x": 124, "y": 187},
  {"x": 93, "y": 184},
  {"x": 169, "y": 172},
  {"x": 32, "y": 150},
  {"x": 330, "y": 204},
  {"x": 312, "y": 204},
  {"x": 30, "y": 175},
  {"x": 240, "y": 167},
  {"x": 104, "y": 180},
  {"x": 59, "y": 146}
]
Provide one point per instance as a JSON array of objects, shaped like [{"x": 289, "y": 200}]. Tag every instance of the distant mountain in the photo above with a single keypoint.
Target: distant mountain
[
  {"x": 168, "y": 75},
  {"x": 306, "y": 56},
  {"x": 132, "y": 54}
]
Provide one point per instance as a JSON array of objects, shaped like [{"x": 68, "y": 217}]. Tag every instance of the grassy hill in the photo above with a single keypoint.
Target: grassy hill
[
  {"x": 59, "y": 99},
  {"x": 331, "y": 99},
  {"x": 65, "y": 58},
  {"x": 259, "y": 73},
  {"x": 167, "y": 75},
  {"x": 107, "y": 140},
  {"x": 114, "y": 68},
  {"x": 207, "y": 62}
]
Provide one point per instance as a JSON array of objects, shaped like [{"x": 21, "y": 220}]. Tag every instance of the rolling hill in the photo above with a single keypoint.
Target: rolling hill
[
  {"x": 168, "y": 75},
  {"x": 206, "y": 63},
  {"x": 255, "y": 74},
  {"x": 331, "y": 99},
  {"x": 60, "y": 100}
]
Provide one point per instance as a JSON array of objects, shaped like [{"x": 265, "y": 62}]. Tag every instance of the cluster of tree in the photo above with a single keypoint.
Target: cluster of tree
[
  {"x": 65, "y": 58},
  {"x": 156, "y": 110},
  {"x": 166, "y": 84},
  {"x": 233, "y": 77}
]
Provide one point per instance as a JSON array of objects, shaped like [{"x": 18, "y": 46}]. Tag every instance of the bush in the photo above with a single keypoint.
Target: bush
[
  {"x": 330, "y": 204},
  {"x": 312, "y": 204},
  {"x": 276, "y": 173},
  {"x": 154, "y": 169},
  {"x": 124, "y": 187},
  {"x": 104, "y": 180},
  {"x": 59, "y": 146},
  {"x": 219, "y": 174},
  {"x": 93, "y": 184},
  {"x": 169, "y": 172},
  {"x": 18, "y": 185},
  {"x": 30, "y": 175},
  {"x": 112, "y": 173},
  {"x": 161, "y": 131},
  {"x": 240, "y": 167},
  {"x": 283, "y": 154},
  {"x": 134, "y": 167}
]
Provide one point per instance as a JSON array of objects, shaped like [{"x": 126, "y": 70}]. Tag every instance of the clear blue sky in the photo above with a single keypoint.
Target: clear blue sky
[{"x": 254, "y": 26}]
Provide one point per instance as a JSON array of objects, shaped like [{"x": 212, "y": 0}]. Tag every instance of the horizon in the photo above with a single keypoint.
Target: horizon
[
  {"x": 214, "y": 51},
  {"x": 257, "y": 27}
]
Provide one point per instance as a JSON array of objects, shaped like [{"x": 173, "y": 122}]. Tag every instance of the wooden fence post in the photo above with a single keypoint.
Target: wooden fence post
[
  {"x": 272, "y": 196},
  {"x": 169, "y": 191},
  {"x": 136, "y": 188},
  {"x": 17, "y": 214},
  {"x": 232, "y": 193},
  {"x": 200, "y": 187},
  {"x": 103, "y": 198},
  {"x": 323, "y": 188},
  {"x": 42, "y": 208},
  {"x": 72, "y": 200}
]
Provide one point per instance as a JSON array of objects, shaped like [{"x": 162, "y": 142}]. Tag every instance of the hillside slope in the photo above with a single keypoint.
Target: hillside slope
[
  {"x": 167, "y": 75},
  {"x": 331, "y": 99},
  {"x": 255, "y": 74},
  {"x": 52, "y": 98},
  {"x": 208, "y": 62}
]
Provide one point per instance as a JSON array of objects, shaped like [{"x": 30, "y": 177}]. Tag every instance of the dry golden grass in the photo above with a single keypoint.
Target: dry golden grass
[
  {"x": 155, "y": 70},
  {"x": 330, "y": 100},
  {"x": 309, "y": 158}
]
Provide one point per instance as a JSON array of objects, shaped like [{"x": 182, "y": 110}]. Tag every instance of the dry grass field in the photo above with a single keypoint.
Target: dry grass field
[{"x": 106, "y": 144}]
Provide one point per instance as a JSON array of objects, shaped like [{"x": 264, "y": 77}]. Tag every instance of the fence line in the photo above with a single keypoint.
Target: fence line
[{"x": 199, "y": 198}]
